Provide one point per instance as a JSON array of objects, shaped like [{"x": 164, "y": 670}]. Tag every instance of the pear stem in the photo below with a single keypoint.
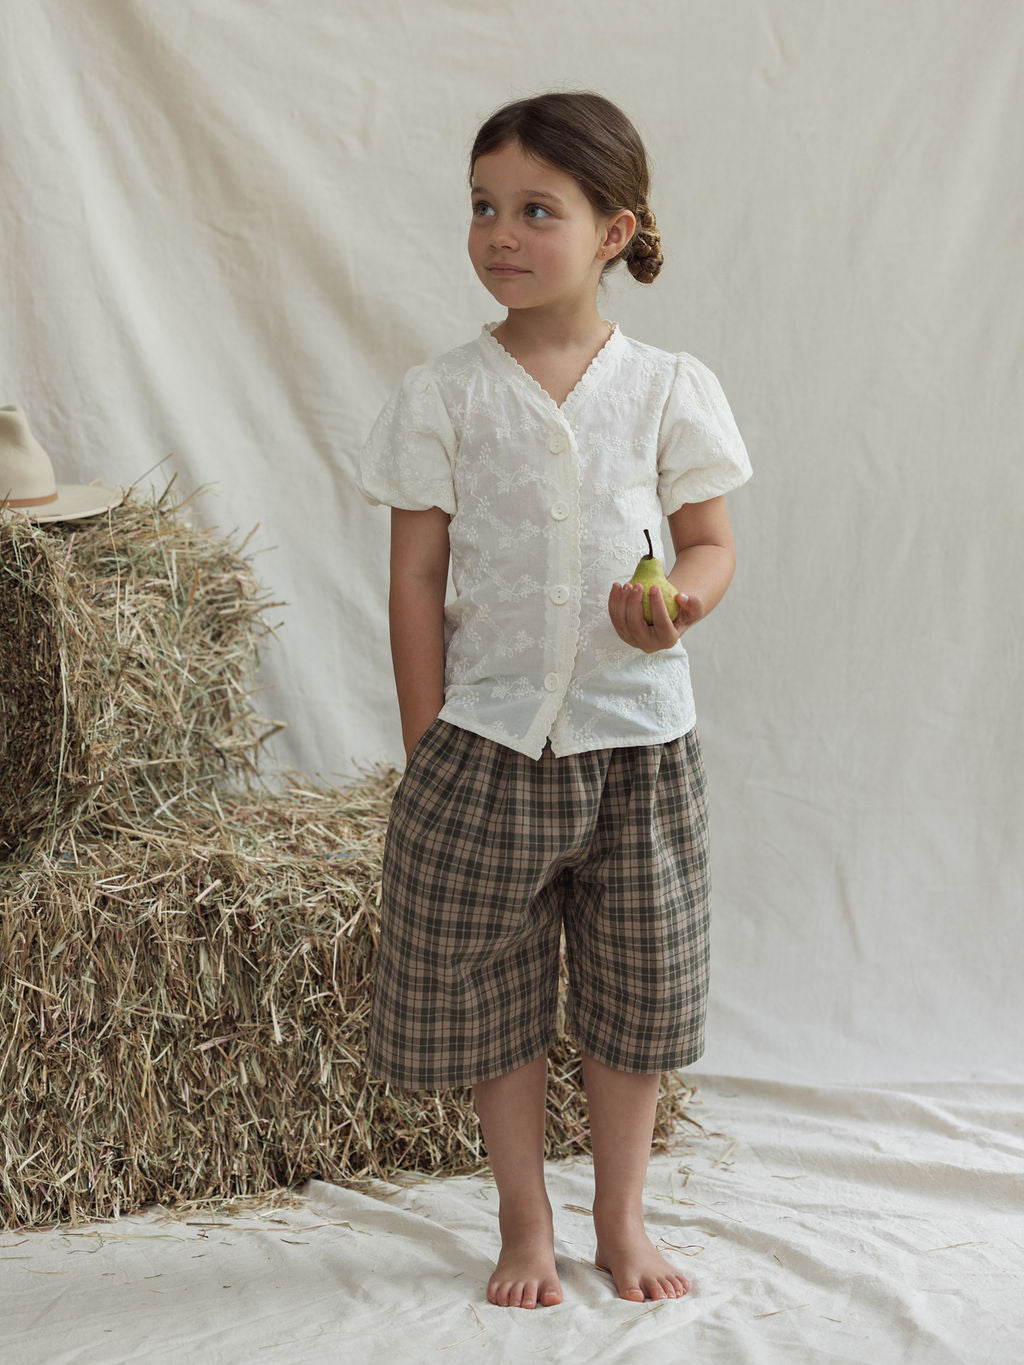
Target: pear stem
[{"x": 650, "y": 547}]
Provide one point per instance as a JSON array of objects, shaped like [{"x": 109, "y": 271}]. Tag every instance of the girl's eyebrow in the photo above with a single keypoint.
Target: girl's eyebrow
[{"x": 526, "y": 194}]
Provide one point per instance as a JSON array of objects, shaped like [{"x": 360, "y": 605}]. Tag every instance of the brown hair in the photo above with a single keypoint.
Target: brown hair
[{"x": 593, "y": 141}]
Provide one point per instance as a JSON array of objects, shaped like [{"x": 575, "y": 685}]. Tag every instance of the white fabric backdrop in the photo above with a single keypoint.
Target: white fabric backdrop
[{"x": 227, "y": 228}]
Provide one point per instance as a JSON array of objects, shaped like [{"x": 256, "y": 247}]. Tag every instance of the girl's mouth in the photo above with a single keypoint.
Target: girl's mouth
[{"x": 506, "y": 270}]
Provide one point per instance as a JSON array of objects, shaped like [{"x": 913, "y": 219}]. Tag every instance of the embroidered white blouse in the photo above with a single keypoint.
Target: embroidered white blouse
[{"x": 548, "y": 507}]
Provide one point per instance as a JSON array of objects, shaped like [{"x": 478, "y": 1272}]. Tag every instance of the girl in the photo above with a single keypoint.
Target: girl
[{"x": 554, "y": 774}]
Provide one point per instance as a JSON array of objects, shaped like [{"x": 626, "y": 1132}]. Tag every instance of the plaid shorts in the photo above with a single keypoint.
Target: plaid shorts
[{"x": 488, "y": 853}]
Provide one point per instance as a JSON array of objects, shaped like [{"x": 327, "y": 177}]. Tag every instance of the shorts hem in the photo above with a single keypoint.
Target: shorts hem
[
  {"x": 464, "y": 1078},
  {"x": 666, "y": 1061}
]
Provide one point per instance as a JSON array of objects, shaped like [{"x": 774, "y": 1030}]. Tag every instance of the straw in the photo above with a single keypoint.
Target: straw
[
  {"x": 126, "y": 645},
  {"x": 186, "y": 958}
]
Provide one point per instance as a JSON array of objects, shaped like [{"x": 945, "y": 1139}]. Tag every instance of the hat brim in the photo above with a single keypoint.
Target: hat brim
[{"x": 75, "y": 500}]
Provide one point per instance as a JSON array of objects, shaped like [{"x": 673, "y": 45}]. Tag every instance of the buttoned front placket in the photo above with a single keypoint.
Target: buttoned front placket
[
  {"x": 562, "y": 589},
  {"x": 564, "y": 573}
]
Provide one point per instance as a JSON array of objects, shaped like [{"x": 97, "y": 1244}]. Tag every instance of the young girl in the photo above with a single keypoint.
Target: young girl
[{"x": 554, "y": 774}]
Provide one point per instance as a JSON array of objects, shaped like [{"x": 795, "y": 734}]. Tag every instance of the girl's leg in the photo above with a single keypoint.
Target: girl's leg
[
  {"x": 622, "y": 1106},
  {"x": 511, "y": 1110}
]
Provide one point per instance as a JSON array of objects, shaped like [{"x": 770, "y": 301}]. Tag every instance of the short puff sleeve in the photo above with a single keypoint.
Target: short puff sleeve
[
  {"x": 700, "y": 450},
  {"x": 407, "y": 459}
]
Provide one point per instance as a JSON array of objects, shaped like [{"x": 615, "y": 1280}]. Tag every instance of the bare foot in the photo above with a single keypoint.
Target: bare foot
[
  {"x": 640, "y": 1271},
  {"x": 525, "y": 1276}
]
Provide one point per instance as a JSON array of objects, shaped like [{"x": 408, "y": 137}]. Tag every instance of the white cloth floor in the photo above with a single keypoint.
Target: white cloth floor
[{"x": 816, "y": 1223}]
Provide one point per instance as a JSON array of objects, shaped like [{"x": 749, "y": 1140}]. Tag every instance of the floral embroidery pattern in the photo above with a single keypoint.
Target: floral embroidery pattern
[{"x": 548, "y": 503}]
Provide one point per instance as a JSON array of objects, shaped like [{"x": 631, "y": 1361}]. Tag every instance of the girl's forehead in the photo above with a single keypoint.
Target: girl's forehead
[{"x": 512, "y": 166}]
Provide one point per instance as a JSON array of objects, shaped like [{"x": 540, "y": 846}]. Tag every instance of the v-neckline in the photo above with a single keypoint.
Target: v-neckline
[{"x": 586, "y": 379}]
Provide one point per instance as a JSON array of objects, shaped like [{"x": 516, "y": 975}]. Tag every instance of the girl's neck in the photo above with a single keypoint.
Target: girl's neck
[{"x": 543, "y": 329}]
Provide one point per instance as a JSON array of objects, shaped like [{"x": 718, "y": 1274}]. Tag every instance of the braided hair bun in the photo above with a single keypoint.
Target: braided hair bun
[{"x": 643, "y": 254}]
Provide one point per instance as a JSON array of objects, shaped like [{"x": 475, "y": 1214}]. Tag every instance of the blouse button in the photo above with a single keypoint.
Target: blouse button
[
  {"x": 559, "y": 511},
  {"x": 557, "y": 444},
  {"x": 560, "y": 594},
  {"x": 551, "y": 682}
]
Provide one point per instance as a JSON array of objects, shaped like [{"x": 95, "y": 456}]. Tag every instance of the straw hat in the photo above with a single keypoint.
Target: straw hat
[{"x": 27, "y": 481}]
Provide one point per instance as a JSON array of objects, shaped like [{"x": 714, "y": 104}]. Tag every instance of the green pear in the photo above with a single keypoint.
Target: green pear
[{"x": 650, "y": 574}]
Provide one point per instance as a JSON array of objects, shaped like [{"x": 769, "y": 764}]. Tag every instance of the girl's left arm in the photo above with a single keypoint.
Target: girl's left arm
[{"x": 704, "y": 565}]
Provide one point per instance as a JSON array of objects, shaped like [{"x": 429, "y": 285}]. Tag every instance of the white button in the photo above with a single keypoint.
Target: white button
[
  {"x": 551, "y": 682},
  {"x": 559, "y": 511},
  {"x": 560, "y": 594},
  {"x": 557, "y": 443}
]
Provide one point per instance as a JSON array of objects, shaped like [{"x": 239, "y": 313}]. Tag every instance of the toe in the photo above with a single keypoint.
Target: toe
[
  {"x": 649, "y": 1287},
  {"x": 631, "y": 1290}
]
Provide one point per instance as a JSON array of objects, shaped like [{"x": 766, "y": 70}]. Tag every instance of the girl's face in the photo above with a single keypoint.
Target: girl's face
[{"x": 534, "y": 235}]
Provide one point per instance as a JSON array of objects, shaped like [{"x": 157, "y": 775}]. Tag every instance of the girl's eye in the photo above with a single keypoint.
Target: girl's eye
[
  {"x": 480, "y": 208},
  {"x": 533, "y": 210}
]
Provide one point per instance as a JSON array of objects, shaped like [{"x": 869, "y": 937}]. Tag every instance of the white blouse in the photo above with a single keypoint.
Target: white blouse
[{"x": 548, "y": 506}]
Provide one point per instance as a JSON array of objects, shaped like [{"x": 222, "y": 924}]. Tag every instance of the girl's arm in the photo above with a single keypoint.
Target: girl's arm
[
  {"x": 703, "y": 569},
  {"x": 419, "y": 577}
]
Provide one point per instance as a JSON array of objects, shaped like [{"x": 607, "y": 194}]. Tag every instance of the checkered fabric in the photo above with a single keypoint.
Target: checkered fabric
[{"x": 488, "y": 853}]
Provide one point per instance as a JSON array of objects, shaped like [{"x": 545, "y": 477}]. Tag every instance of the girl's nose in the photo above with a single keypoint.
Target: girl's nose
[{"x": 502, "y": 234}]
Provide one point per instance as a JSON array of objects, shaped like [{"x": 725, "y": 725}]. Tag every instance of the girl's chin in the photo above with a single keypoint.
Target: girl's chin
[
  {"x": 506, "y": 293},
  {"x": 504, "y": 281}
]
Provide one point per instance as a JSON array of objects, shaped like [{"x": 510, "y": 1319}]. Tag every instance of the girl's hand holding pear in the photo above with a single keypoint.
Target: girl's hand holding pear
[{"x": 648, "y": 612}]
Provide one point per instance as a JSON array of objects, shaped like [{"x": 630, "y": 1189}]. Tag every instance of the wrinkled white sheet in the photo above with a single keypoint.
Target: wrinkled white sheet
[
  {"x": 227, "y": 228},
  {"x": 874, "y": 1225}
]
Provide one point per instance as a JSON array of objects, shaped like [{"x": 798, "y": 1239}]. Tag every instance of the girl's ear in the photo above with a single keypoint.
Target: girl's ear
[{"x": 618, "y": 231}]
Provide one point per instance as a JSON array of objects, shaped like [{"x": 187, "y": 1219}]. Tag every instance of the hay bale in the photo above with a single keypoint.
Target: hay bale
[
  {"x": 185, "y": 958},
  {"x": 126, "y": 643},
  {"x": 186, "y": 1014}
]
